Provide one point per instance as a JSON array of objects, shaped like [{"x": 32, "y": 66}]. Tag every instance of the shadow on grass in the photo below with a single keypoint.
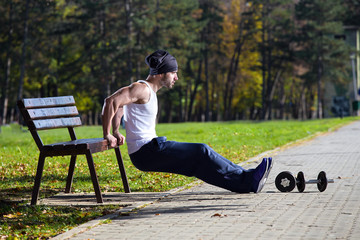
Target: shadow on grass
[
  {"x": 23, "y": 194},
  {"x": 42, "y": 222},
  {"x": 19, "y": 220}
]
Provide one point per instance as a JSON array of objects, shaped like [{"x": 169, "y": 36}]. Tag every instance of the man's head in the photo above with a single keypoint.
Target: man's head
[{"x": 160, "y": 62}]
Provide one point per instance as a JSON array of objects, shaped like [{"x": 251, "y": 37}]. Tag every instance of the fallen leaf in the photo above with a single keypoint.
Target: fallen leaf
[
  {"x": 219, "y": 215},
  {"x": 12, "y": 215}
]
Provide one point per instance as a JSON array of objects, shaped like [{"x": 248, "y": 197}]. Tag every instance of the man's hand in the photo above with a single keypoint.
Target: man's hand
[
  {"x": 112, "y": 141},
  {"x": 120, "y": 138}
]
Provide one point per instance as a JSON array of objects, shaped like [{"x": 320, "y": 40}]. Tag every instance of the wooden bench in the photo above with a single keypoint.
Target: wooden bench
[{"x": 61, "y": 112}]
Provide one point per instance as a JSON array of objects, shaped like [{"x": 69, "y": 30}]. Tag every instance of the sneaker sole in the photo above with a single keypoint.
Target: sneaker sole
[
  {"x": 263, "y": 179},
  {"x": 269, "y": 168}
]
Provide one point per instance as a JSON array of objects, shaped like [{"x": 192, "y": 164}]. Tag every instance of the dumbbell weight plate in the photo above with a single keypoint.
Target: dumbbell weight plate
[
  {"x": 285, "y": 182},
  {"x": 322, "y": 181},
  {"x": 300, "y": 182}
]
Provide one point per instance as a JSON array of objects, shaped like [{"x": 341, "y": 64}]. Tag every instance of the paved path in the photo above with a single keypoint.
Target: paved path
[{"x": 206, "y": 212}]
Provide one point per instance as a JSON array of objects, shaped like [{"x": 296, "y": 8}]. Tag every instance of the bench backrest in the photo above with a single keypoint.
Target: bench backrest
[{"x": 49, "y": 113}]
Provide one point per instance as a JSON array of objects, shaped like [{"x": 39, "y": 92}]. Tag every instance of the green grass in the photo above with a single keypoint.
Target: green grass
[{"x": 237, "y": 141}]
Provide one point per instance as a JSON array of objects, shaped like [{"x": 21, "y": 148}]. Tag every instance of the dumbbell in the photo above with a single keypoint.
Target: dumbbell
[{"x": 285, "y": 181}]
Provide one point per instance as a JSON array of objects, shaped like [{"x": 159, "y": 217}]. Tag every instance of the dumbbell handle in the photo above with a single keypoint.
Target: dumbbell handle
[{"x": 315, "y": 181}]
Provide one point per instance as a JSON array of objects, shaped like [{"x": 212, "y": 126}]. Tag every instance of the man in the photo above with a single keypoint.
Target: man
[{"x": 138, "y": 104}]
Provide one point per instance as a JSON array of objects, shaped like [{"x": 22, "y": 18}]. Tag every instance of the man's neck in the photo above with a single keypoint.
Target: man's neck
[{"x": 154, "y": 81}]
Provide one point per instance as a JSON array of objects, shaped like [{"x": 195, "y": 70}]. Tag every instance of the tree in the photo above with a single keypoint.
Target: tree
[
  {"x": 236, "y": 58},
  {"x": 8, "y": 58},
  {"x": 352, "y": 13},
  {"x": 23, "y": 53},
  {"x": 277, "y": 28},
  {"x": 326, "y": 56},
  {"x": 175, "y": 27},
  {"x": 240, "y": 29}
]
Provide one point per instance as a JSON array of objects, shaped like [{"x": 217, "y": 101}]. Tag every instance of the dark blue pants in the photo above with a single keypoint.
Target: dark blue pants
[{"x": 192, "y": 159}]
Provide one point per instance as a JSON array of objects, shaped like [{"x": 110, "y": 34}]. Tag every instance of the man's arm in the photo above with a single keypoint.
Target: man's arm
[
  {"x": 116, "y": 124},
  {"x": 113, "y": 109}
]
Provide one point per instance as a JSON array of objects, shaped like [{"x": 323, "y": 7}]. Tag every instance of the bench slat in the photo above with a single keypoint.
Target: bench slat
[
  {"x": 42, "y": 113},
  {"x": 49, "y": 102},
  {"x": 56, "y": 123},
  {"x": 80, "y": 145}
]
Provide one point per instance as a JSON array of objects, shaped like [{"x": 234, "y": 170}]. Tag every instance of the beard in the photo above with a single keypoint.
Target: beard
[{"x": 167, "y": 82}]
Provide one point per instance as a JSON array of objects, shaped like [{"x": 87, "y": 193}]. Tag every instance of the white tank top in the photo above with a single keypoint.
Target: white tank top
[{"x": 140, "y": 122}]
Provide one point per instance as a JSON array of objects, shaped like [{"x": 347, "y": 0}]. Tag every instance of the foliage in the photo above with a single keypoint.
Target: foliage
[
  {"x": 239, "y": 39},
  {"x": 320, "y": 23},
  {"x": 352, "y": 12},
  {"x": 276, "y": 30},
  {"x": 236, "y": 58},
  {"x": 326, "y": 56}
]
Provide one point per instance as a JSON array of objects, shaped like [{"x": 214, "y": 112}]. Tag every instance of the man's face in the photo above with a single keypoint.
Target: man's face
[{"x": 169, "y": 79}]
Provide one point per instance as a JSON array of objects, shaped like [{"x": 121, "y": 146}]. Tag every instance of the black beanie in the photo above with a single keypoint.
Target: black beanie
[{"x": 161, "y": 62}]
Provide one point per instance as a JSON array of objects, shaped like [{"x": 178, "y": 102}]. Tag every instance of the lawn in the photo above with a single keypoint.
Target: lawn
[{"x": 238, "y": 141}]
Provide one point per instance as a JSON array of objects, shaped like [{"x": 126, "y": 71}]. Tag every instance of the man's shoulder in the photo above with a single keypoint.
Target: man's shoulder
[
  {"x": 140, "y": 91},
  {"x": 138, "y": 86}
]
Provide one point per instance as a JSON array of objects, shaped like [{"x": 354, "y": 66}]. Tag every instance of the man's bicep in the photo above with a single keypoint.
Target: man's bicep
[{"x": 121, "y": 97}]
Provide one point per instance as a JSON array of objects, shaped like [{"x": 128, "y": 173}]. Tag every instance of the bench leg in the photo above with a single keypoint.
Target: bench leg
[
  {"x": 94, "y": 177},
  {"x": 122, "y": 170},
  {"x": 39, "y": 171},
  {"x": 70, "y": 174}
]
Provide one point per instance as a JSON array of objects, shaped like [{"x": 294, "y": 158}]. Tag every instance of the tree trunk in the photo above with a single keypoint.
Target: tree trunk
[
  {"x": 4, "y": 97},
  {"x": 4, "y": 93},
  {"x": 303, "y": 104},
  {"x": 129, "y": 31},
  {"x": 230, "y": 83},
  {"x": 104, "y": 64},
  {"x": 168, "y": 110},
  {"x": 282, "y": 97},
  {"x": 319, "y": 105},
  {"x": 270, "y": 84},
  {"x": 263, "y": 64},
  {"x": 181, "y": 108},
  {"x": 23, "y": 56},
  {"x": 213, "y": 98},
  {"x": 206, "y": 86},
  {"x": 193, "y": 94}
]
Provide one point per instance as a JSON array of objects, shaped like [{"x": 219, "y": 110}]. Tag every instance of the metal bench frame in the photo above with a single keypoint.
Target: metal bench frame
[{"x": 61, "y": 112}]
